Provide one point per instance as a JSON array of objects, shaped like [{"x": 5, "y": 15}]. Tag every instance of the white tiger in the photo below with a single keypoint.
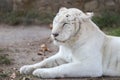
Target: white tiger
[{"x": 84, "y": 50}]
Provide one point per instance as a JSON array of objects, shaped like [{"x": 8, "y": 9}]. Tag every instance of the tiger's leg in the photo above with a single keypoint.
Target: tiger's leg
[
  {"x": 69, "y": 70},
  {"x": 47, "y": 63}
]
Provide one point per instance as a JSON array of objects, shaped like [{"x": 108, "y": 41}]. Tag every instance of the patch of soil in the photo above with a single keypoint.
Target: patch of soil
[{"x": 22, "y": 44}]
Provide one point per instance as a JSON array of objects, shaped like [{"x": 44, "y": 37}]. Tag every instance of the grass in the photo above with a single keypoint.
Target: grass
[
  {"x": 115, "y": 31},
  {"x": 105, "y": 18},
  {"x": 1, "y": 50},
  {"x": 26, "y": 17},
  {"x": 109, "y": 22},
  {"x": 3, "y": 75},
  {"x": 4, "y": 60},
  {"x": 108, "y": 19}
]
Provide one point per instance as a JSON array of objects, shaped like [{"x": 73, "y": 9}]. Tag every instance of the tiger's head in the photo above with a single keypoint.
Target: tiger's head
[{"x": 67, "y": 24}]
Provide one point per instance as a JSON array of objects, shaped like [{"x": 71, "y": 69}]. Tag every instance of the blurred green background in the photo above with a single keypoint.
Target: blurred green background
[{"x": 27, "y": 12}]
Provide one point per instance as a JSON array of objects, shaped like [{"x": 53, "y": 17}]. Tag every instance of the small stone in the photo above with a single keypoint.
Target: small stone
[
  {"x": 51, "y": 26},
  {"x": 40, "y": 53},
  {"x": 25, "y": 78}
]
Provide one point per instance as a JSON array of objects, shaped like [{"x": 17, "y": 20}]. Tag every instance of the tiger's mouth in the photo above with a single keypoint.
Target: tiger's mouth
[{"x": 61, "y": 41}]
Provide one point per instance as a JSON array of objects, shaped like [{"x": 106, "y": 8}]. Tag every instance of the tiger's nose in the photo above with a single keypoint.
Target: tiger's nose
[{"x": 55, "y": 34}]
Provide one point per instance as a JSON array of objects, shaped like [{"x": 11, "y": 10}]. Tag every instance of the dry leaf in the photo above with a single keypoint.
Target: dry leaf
[
  {"x": 13, "y": 75},
  {"x": 44, "y": 48}
]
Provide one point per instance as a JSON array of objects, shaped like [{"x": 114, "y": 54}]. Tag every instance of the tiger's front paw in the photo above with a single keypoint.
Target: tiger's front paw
[
  {"x": 43, "y": 73},
  {"x": 27, "y": 69}
]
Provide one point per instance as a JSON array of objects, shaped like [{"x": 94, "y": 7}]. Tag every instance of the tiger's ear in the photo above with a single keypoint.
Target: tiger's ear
[
  {"x": 87, "y": 16},
  {"x": 62, "y": 9},
  {"x": 90, "y": 14}
]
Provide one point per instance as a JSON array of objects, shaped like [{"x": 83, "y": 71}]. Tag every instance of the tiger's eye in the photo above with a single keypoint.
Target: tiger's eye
[{"x": 67, "y": 15}]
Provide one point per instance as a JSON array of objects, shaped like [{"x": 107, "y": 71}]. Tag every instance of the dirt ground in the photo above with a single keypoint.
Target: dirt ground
[{"x": 22, "y": 44}]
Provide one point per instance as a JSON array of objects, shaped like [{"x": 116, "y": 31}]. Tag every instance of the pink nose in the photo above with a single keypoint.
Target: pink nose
[{"x": 55, "y": 34}]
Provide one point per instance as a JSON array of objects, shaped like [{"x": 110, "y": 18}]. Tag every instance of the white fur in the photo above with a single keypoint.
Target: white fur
[{"x": 84, "y": 50}]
